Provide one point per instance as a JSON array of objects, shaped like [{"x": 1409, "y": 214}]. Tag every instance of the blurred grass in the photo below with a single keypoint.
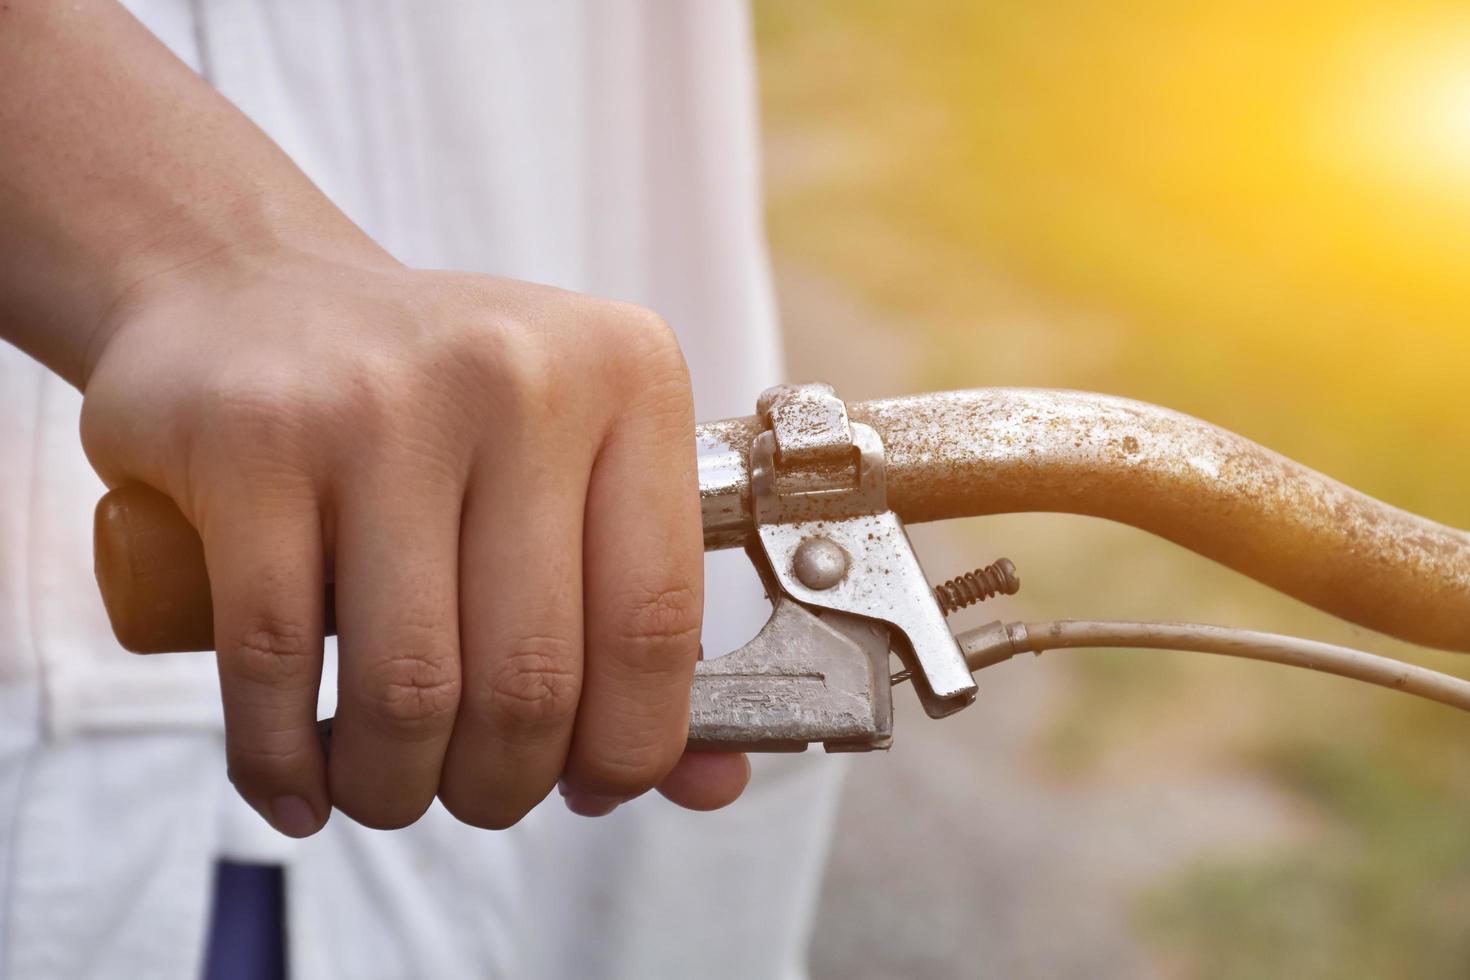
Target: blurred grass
[
  {"x": 1258, "y": 214},
  {"x": 1383, "y": 895}
]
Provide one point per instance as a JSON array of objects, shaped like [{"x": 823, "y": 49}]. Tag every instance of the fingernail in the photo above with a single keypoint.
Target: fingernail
[
  {"x": 590, "y": 804},
  {"x": 293, "y": 816}
]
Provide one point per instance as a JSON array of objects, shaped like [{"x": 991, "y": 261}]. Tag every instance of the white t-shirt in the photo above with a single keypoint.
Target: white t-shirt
[{"x": 606, "y": 147}]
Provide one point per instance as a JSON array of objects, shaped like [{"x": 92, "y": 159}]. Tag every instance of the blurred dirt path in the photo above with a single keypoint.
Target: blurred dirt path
[{"x": 957, "y": 855}]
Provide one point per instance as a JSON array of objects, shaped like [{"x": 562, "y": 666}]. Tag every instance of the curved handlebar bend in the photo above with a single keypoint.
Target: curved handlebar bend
[{"x": 978, "y": 452}]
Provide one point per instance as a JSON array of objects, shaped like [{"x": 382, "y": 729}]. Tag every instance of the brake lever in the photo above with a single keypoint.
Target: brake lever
[{"x": 846, "y": 587}]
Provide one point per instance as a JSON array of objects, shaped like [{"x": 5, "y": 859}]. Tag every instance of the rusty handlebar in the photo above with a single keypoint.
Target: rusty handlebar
[{"x": 972, "y": 453}]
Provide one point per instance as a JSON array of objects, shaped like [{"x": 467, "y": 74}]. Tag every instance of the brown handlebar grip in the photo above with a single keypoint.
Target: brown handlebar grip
[{"x": 150, "y": 567}]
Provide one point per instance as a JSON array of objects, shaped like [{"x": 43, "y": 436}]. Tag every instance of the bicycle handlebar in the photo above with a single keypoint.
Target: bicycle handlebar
[{"x": 979, "y": 452}]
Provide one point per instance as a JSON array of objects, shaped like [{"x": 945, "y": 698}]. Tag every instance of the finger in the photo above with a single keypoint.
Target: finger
[
  {"x": 643, "y": 576},
  {"x": 706, "y": 780},
  {"x": 264, "y": 554},
  {"x": 398, "y": 686},
  {"x": 521, "y": 634}
]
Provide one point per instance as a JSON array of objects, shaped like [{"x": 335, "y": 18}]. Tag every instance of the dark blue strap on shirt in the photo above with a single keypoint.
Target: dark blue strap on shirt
[{"x": 247, "y": 924}]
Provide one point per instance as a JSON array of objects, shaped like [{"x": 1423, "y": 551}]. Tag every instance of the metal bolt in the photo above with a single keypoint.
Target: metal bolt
[{"x": 820, "y": 563}]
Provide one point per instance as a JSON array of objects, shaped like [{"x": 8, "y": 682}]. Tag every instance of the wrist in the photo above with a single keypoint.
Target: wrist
[
  {"x": 201, "y": 255},
  {"x": 123, "y": 167}
]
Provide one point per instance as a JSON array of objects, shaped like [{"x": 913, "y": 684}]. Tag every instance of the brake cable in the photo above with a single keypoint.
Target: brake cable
[{"x": 997, "y": 642}]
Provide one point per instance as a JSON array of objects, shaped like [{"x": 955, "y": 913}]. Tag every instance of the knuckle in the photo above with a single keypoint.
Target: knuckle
[
  {"x": 413, "y": 695},
  {"x": 273, "y": 653},
  {"x": 536, "y": 686},
  {"x": 495, "y": 362},
  {"x": 517, "y": 370},
  {"x": 644, "y": 326},
  {"x": 646, "y": 337},
  {"x": 380, "y": 399},
  {"x": 658, "y": 628},
  {"x": 255, "y": 767},
  {"x": 627, "y": 769},
  {"x": 651, "y": 372}
]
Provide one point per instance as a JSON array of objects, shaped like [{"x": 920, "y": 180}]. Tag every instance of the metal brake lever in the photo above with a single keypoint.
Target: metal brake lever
[
  {"x": 806, "y": 677},
  {"x": 846, "y": 588}
]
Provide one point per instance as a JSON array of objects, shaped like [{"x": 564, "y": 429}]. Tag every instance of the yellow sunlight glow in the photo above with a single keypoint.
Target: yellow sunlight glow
[{"x": 1403, "y": 111}]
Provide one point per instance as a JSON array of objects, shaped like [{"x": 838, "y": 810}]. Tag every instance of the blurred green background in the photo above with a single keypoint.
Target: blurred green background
[{"x": 1256, "y": 213}]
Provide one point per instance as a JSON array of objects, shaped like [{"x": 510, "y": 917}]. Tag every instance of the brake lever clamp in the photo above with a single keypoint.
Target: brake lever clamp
[{"x": 846, "y": 589}]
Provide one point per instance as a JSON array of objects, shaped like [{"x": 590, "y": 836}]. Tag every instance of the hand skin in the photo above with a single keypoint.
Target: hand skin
[{"x": 498, "y": 477}]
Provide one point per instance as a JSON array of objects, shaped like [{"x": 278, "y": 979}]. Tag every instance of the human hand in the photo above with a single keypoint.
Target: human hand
[{"x": 499, "y": 480}]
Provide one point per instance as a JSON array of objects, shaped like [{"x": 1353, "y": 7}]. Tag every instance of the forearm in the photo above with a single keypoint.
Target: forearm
[{"x": 121, "y": 164}]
